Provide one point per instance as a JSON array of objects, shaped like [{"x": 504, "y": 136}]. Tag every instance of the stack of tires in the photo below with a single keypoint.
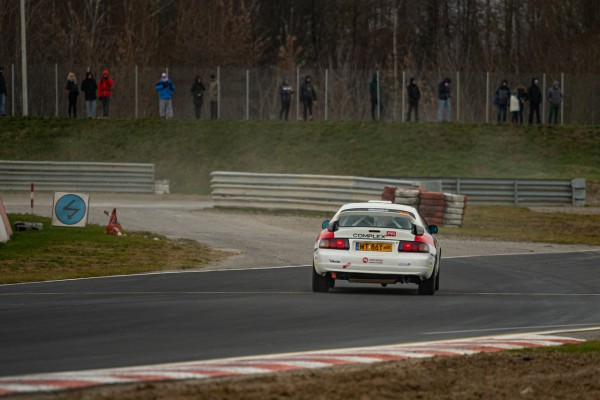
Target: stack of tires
[
  {"x": 436, "y": 207},
  {"x": 454, "y": 213}
]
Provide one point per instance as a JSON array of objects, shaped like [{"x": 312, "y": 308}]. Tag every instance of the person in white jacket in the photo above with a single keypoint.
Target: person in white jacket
[{"x": 515, "y": 107}]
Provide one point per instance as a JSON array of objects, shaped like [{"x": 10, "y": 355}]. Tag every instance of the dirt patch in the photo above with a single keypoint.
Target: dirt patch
[{"x": 506, "y": 375}]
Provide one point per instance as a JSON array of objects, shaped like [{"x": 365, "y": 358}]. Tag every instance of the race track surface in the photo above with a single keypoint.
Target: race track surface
[{"x": 158, "y": 318}]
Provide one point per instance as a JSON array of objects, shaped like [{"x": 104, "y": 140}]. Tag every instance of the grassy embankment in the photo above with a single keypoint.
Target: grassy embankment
[{"x": 185, "y": 152}]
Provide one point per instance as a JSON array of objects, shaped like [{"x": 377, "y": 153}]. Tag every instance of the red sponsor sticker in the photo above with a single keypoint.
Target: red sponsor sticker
[
  {"x": 390, "y": 233},
  {"x": 347, "y": 265},
  {"x": 365, "y": 260}
]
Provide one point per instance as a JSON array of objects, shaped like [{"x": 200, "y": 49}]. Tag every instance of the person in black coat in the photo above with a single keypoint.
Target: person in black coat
[
  {"x": 502, "y": 100},
  {"x": 534, "y": 96},
  {"x": 414, "y": 95},
  {"x": 285, "y": 92},
  {"x": 89, "y": 87},
  {"x": 307, "y": 97},
  {"x": 444, "y": 95},
  {"x": 73, "y": 90},
  {"x": 198, "y": 90}
]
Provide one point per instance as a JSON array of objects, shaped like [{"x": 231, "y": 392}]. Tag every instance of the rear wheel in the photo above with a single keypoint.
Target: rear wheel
[
  {"x": 427, "y": 287},
  {"x": 319, "y": 283}
]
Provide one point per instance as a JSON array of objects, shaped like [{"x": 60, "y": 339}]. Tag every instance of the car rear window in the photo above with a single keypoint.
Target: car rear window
[{"x": 375, "y": 219}]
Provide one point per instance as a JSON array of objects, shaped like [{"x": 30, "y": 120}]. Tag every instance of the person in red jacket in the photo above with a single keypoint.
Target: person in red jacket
[{"x": 104, "y": 92}]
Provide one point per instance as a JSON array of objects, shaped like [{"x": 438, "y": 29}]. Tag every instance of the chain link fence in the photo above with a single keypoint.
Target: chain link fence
[{"x": 342, "y": 94}]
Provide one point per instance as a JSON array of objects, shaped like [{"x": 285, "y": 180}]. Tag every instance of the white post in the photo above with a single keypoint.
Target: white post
[
  {"x": 378, "y": 98},
  {"x": 24, "y": 62},
  {"x": 218, "y": 92},
  {"x": 562, "y": 103},
  {"x": 247, "y": 94},
  {"x": 136, "y": 92},
  {"x": 543, "y": 99},
  {"x": 326, "y": 94},
  {"x": 56, "y": 90},
  {"x": 402, "y": 118},
  {"x": 458, "y": 105},
  {"x": 487, "y": 98}
]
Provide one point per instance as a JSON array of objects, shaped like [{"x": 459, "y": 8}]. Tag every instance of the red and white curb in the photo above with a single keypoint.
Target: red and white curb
[{"x": 268, "y": 364}]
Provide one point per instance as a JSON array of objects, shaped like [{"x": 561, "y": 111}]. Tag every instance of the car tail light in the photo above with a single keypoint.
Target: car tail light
[
  {"x": 413, "y": 247},
  {"x": 340, "y": 244}
]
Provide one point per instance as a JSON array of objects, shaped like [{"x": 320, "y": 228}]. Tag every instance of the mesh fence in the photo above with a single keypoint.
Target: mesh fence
[{"x": 342, "y": 94}]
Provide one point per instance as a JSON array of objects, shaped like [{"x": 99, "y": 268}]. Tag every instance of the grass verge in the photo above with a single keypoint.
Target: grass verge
[
  {"x": 64, "y": 253},
  {"x": 593, "y": 346}
]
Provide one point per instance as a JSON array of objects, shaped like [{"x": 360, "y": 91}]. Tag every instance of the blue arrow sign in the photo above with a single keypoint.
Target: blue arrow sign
[{"x": 70, "y": 209}]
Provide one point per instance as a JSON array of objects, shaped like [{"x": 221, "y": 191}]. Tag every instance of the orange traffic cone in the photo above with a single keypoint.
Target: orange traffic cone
[{"x": 113, "y": 227}]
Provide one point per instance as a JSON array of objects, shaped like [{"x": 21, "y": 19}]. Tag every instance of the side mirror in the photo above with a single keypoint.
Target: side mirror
[
  {"x": 325, "y": 224},
  {"x": 433, "y": 229},
  {"x": 418, "y": 230}
]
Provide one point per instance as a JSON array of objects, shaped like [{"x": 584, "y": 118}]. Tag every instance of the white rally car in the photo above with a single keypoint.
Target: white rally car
[{"x": 377, "y": 242}]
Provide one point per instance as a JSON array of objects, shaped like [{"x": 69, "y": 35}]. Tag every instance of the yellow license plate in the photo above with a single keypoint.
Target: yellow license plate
[{"x": 366, "y": 246}]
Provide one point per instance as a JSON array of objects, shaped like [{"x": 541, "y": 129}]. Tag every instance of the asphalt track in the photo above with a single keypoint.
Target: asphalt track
[{"x": 159, "y": 318}]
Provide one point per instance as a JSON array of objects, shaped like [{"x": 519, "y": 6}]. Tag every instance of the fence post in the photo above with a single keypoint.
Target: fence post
[
  {"x": 457, "y": 96},
  {"x": 487, "y": 97},
  {"x": 543, "y": 99},
  {"x": 378, "y": 98},
  {"x": 218, "y": 92},
  {"x": 56, "y": 89},
  {"x": 562, "y": 103},
  {"x": 402, "y": 118},
  {"x": 326, "y": 94},
  {"x": 12, "y": 92},
  {"x": 298, "y": 93},
  {"x": 136, "y": 92},
  {"x": 247, "y": 94}
]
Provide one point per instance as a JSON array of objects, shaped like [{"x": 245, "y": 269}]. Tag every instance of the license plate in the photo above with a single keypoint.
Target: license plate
[{"x": 366, "y": 246}]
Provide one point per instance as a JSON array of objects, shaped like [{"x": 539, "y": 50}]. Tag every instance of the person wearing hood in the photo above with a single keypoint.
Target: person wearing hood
[
  {"x": 502, "y": 100},
  {"x": 555, "y": 97},
  {"x": 198, "y": 90},
  {"x": 534, "y": 96},
  {"x": 105, "y": 92},
  {"x": 89, "y": 88},
  {"x": 375, "y": 93},
  {"x": 414, "y": 95},
  {"x": 307, "y": 97},
  {"x": 285, "y": 92},
  {"x": 73, "y": 90},
  {"x": 444, "y": 99},
  {"x": 165, "y": 89}
]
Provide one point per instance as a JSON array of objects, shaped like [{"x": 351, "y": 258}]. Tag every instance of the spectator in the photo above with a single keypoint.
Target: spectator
[
  {"x": 285, "y": 92},
  {"x": 105, "y": 92},
  {"x": 375, "y": 92},
  {"x": 414, "y": 95},
  {"x": 2, "y": 93},
  {"x": 198, "y": 90},
  {"x": 444, "y": 98},
  {"x": 73, "y": 90},
  {"x": 165, "y": 89},
  {"x": 307, "y": 97},
  {"x": 89, "y": 88},
  {"x": 534, "y": 96},
  {"x": 213, "y": 97},
  {"x": 515, "y": 107},
  {"x": 555, "y": 97},
  {"x": 522, "y": 99},
  {"x": 502, "y": 100}
]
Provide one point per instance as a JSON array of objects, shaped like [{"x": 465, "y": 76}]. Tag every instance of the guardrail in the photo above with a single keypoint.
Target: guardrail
[
  {"x": 77, "y": 176},
  {"x": 299, "y": 192},
  {"x": 525, "y": 192},
  {"x": 327, "y": 193}
]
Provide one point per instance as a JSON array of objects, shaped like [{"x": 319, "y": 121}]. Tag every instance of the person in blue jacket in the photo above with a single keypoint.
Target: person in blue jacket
[{"x": 165, "y": 89}]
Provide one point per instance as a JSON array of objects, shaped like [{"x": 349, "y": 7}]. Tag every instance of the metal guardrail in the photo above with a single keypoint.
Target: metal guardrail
[
  {"x": 77, "y": 176},
  {"x": 327, "y": 193},
  {"x": 524, "y": 192},
  {"x": 299, "y": 192}
]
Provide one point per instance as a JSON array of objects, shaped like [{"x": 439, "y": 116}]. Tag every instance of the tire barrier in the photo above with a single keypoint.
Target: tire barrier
[{"x": 436, "y": 207}]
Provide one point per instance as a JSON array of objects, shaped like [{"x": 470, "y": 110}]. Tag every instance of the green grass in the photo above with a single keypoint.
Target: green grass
[
  {"x": 63, "y": 253},
  {"x": 592, "y": 346},
  {"x": 185, "y": 151},
  {"x": 520, "y": 224}
]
